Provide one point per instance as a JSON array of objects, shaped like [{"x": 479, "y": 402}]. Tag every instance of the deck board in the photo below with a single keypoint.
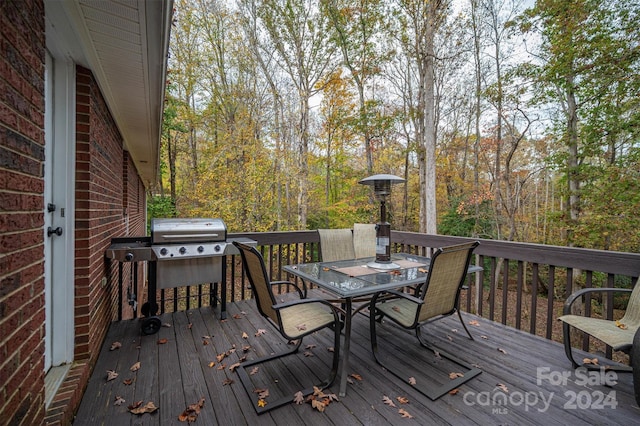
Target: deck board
[{"x": 178, "y": 373}]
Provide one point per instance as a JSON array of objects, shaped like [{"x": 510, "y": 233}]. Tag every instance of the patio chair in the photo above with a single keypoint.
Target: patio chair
[
  {"x": 364, "y": 240},
  {"x": 287, "y": 318},
  {"x": 618, "y": 336},
  {"x": 436, "y": 298},
  {"x": 336, "y": 244}
]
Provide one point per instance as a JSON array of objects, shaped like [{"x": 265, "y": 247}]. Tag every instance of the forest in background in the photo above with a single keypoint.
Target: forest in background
[{"x": 513, "y": 120}]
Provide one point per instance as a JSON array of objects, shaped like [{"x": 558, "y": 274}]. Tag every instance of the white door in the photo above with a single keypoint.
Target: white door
[{"x": 59, "y": 182}]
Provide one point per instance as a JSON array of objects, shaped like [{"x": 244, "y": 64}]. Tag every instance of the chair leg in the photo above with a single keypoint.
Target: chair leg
[
  {"x": 635, "y": 365},
  {"x": 464, "y": 325},
  {"x": 248, "y": 386}
]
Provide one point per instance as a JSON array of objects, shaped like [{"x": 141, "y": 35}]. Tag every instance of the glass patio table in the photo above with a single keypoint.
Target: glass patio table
[{"x": 350, "y": 279}]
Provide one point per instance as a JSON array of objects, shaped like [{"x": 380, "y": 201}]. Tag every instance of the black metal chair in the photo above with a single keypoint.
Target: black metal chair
[
  {"x": 287, "y": 318},
  {"x": 436, "y": 298}
]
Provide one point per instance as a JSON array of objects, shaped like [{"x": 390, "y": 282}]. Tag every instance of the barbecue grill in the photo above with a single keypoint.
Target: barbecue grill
[{"x": 180, "y": 252}]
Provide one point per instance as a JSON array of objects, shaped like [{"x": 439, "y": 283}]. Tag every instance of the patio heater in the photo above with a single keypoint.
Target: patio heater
[{"x": 382, "y": 188}]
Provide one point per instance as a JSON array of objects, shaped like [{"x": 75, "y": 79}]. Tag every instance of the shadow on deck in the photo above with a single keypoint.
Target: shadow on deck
[{"x": 186, "y": 368}]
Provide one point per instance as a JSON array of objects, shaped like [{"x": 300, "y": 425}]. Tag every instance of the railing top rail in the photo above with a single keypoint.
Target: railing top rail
[{"x": 613, "y": 262}]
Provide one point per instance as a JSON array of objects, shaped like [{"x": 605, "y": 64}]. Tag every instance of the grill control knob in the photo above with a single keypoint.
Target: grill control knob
[
  {"x": 217, "y": 247},
  {"x": 183, "y": 250},
  {"x": 128, "y": 257},
  {"x": 200, "y": 249},
  {"x": 163, "y": 251}
]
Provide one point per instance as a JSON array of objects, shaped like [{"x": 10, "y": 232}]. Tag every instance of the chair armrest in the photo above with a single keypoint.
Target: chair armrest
[
  {"x": 579, "y": 293},
  {"x": 396, "y": 294},
  {"x": 301, "y": 293}
]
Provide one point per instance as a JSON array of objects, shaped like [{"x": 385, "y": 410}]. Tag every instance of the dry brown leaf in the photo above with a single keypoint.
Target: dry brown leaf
[
  {"x": 254, "y": 371},
  {"x": 245, "y": 335},
  {"x": 135, "y": 405},
  {"x": 437, "y": 354},
  {"x": 211, "y": 364},
  {"x": 246, "y": 348},
  {"x": 307, "y": 354},
  {"x": 331, "y": 349},
  {"x": 484, "y": 337},
  {"x": 474, "y": 322},
  {"x": 454, "y": 391},
  {"x": 356, "y": 376},
  {"x": 301, "y": 327},
  {"x": 260, "y": 332},
  {"x": 450, "y": 338},
  {"x": 135, "y": 367},
  {"x": 220, "y": 357},
  {"x": 412, "y": 381},
  {"x": 502, "y": 350},
  {"x": 162, "y": 341},
  {"x": 227, "y": 382},
  {"x": 455, "y": 375},
  {"x": 423, "y": 270},
  {"x": 263, "y": 394},
  {"x": 402, "y": 399},
  {"x": 127, "y": 381},
  {"x": 237, "y": 316},
  {"x": 310, "y": 346},
  {"x": 503, "y": 387},
  {"x": 119, "y": 400},
  {"x": 318, "y": 405},
  {"x": 593, "y": 361},
  {"x": 149, "y": 407},
  {"x": 262, "y": 403},
  {"x": 404, "y": 413},
  {"x": 621, "y": 325},
  {"x": 388, "y": 401},
  {"x": 115, "y": 345},
  {"x": 221, "y": 366},
  {"x": 298, "y": 398},
  {"x": 189, "y": 326},
  {"x": 111, "y": 375},
  {"x": 233, "y": 367},
  {"x": 205, "y": 342},
  {"x": 166, "y": 324},
  {"x": 190, "y": 414}
]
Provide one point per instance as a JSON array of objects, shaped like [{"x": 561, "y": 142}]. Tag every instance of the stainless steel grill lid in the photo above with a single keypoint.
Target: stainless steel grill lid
[{"x": 186, "y": 230}]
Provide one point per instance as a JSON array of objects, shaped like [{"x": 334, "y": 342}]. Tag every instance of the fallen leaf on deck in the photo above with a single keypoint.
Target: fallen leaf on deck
[
  {"x": 331, "y": 349},
  {"x": 396, "y": 308},
  {"x": 402, "y": 399},
  {"x": 221, "y": 366},
  {"x": 162, "y": 341},
  {"x": 484, "y": 337},
  {"x": 454, "y": 376},
  {"x": 232, "y": 367},
  {"x": 211, "y": 364},
  {"x": 301, "y": 327},
  {"x": 205, "y": 342},
  {"x": 356, "y": 376},
  {"x": 404, "y": 413},
  {"x": 246, "y": 348},
  {"x": 190, "y": 414},
  {"x": 298, "y": 398},
  {"x": 134, "y": 405},
  {"x": 450, "y": 338},
  {"x": 111, "y": 375},
  {"x": 262, "y": 403},
  {"x": 388, "y": 401},
  {"x": 454, "y": 391},
  {"x": 593, "y": 361},
  {"x": 119, "y": 400},
  {"x": 127, "y": 381},
  {"x": 206, "y": 337},
  {"x": 307, "y": 354},
  {"x": 474, "y": 322},
  {"x": 310, "y": 346},
  {"x": 260, "y": 332},
  {"x": 149, "y": 407},
  {"x": 237, "y": 316},
  {"x": 254, "y": 370},
  {"x": 115, "y": 345},
  {"x": 227, "y": 382},
  {"x": 437, "y": 354},
  {"x": 135, "y": 367},
  {"x": 412, "y": 381},
  {"x": 220, "y": 357},
  {"x": 502, "y": 350},
  {"x": 318, "y": 405},
  {"x": 245, "y": 335},
  {"x": 503, "y": 387},
  {"x": 166, "y": 324},
  {"x": 189, "y": 326}
]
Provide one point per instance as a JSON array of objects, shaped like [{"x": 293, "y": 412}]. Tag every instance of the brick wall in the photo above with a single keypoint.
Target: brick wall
[
  {"x": 110, "y": 201},
  {"x": 21, "y": 212}
]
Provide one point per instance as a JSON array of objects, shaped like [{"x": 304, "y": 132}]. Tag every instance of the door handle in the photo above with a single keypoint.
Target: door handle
[{"x": 51, "y": 231}]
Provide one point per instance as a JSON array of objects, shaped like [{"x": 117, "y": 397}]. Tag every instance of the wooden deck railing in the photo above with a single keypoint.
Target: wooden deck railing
[{"x": 522, "y": 285}]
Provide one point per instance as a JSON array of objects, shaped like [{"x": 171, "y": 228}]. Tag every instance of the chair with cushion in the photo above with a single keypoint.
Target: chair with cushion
[
  {"x": 436, "y": 298},
  {"x": 294, "y": 320},
  {"x": 336, "y": 244}
]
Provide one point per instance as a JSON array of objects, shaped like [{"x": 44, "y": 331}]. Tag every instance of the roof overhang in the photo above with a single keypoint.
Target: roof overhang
[{"x": 125, "y": 44}]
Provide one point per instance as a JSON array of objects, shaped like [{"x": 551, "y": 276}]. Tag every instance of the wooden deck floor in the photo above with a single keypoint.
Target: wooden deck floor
[{"x": 180, "y": 372}]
